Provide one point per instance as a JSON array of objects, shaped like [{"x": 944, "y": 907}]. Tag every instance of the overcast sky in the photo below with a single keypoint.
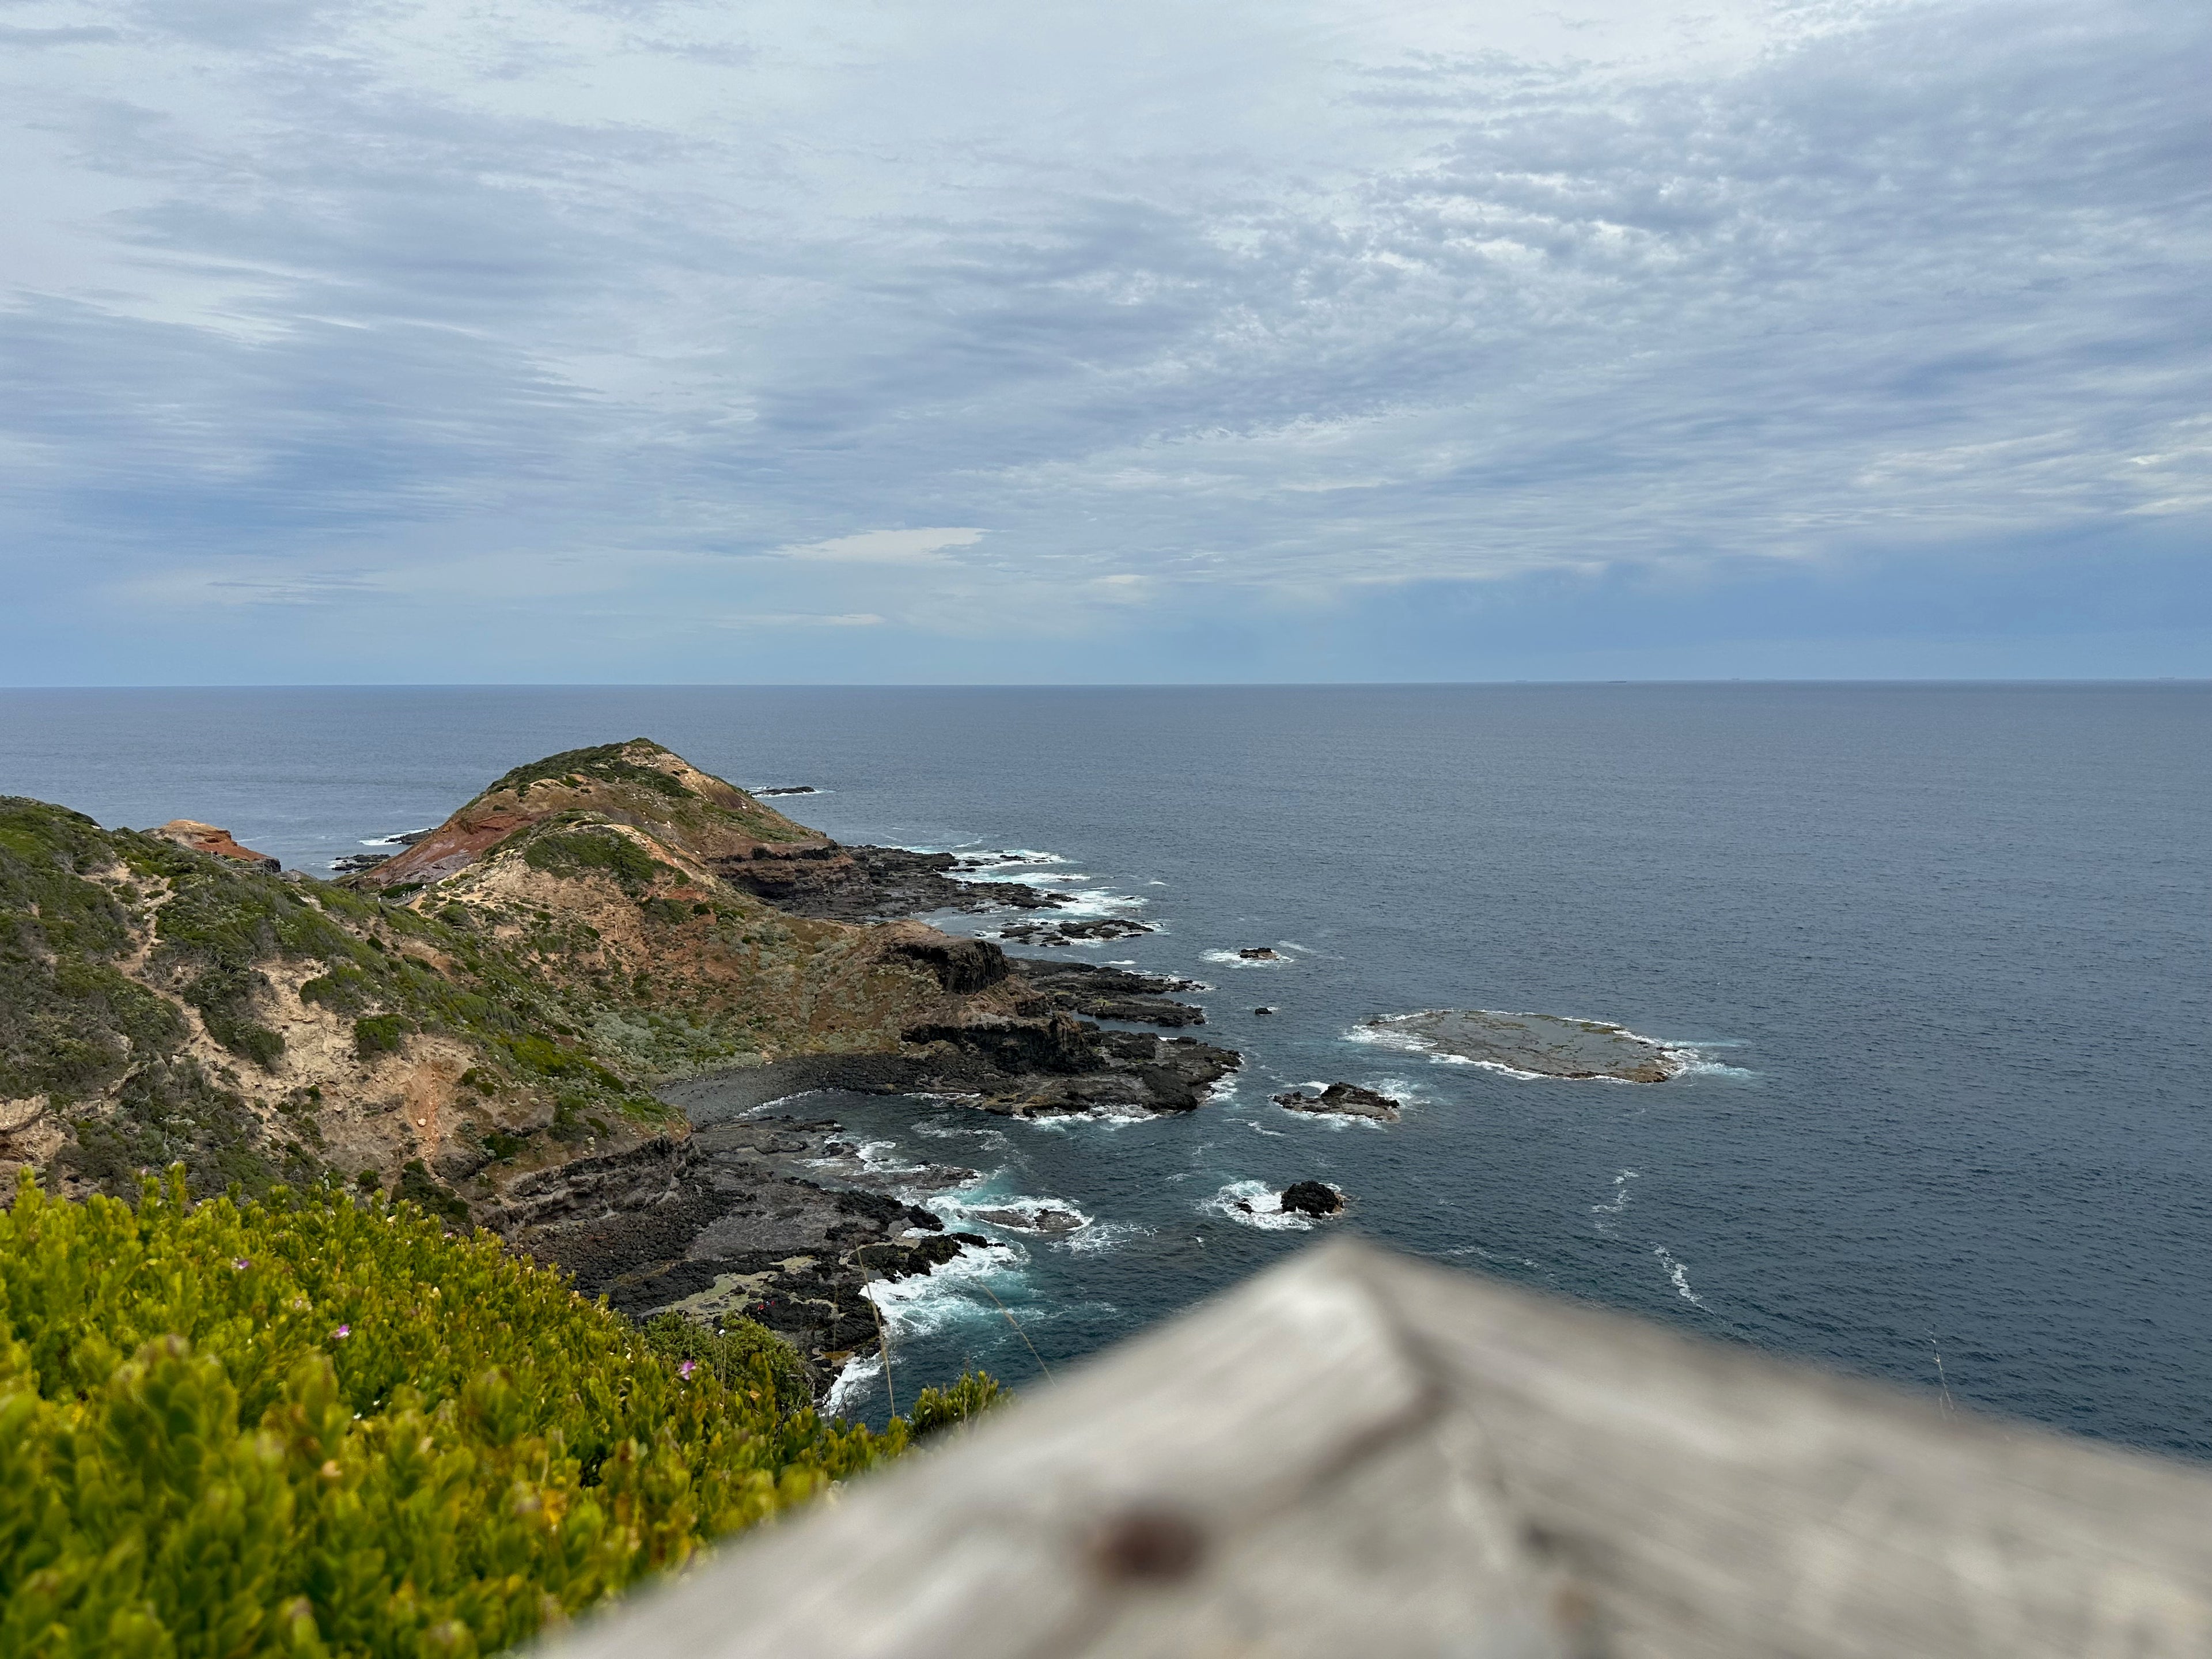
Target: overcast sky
[{"x": 979, "y": 340}]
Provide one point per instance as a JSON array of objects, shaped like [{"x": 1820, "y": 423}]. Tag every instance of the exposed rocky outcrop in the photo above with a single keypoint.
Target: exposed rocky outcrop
[
  {"x": 1312, "y": 1198},
  {"x": 206, "y": 838},
  {"x": 959, "y": 965},
  {"x": 1046, "y": 1219},
  {"x": 1008, "y": 1069},
  {"x": 1098, "y": 931},
  {"x": 872, "y": 884},
  {"x": 1103, "y": 993},
  {"x": 1537, "y": 1045},
  {"x": 1343, "y": 1100},
  {"x": 721, "y": 1224}
]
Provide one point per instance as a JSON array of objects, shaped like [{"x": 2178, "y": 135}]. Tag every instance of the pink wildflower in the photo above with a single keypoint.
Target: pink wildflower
[
  {"x": 241, "y": 1263},
  {"x": 342, "y": 1331},
  {"x": 687, "y": 1368}
]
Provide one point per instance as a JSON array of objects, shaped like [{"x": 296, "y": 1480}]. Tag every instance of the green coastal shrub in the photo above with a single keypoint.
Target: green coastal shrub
[{"x": 314, "y": 1427}]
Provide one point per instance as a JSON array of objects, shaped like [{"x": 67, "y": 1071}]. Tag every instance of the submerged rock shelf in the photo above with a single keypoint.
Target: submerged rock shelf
[{"x": 1534, "y": 1045}]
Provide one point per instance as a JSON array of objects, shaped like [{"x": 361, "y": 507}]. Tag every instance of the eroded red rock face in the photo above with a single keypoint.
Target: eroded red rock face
[
  {"x": 207, "y": 838},
  {"x": 454, "y": 845},
  {"x": 704, "y": 817}
]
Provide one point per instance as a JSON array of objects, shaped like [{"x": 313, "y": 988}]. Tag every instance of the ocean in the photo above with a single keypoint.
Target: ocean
[{"x": 1943, "y": 953}]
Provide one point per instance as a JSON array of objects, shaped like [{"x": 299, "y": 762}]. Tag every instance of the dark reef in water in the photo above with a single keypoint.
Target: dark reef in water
[
  {"x": 1544, "y": 1045},
  {"x": 876, "y": 884},
  {"x": 1097, "y": 992},
  {"x": 1343, "y": 1100}
]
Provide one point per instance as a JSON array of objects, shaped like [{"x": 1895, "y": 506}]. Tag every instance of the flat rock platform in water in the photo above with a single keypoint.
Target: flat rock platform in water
[{"x": 1544, "y": 1045}]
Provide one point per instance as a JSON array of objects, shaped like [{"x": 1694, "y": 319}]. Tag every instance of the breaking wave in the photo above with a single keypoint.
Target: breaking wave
[{"x": 1254, "y": 1204}]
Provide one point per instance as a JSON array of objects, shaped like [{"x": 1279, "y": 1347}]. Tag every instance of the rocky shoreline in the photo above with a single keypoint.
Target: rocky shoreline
[
  {"x": 736, "y": 1220},
  {"x": 775, "y": 1218},
  {"x": 1128, "y": 1072},
  {"x": 475, "y": 1018},
  {"x": 877, "y": 883}
]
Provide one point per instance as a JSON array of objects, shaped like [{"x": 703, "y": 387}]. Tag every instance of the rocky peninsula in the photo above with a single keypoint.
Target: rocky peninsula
[{"x": 547, "y": 1016}]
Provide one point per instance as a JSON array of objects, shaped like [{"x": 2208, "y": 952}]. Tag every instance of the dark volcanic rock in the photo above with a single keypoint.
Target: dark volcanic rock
[
  {"x": 1074, "y": 933},
  {"x": 1312, "y": 1198},
  {"x": 719, "y": 1225},
  {"x": 788, "y": 789},
  {"x": 1022, "y": 1069},
  {"x": 961, "y": 965},
  {"x": 872, "y": 884},
  {"x": 1345, "y": 1099},
  {"x": 1044, "y": 1219},
  {"x": 1260, "y": 953},
  {"x": 1541, "y": 1045},
  {"x": 1102, "y": 992}
]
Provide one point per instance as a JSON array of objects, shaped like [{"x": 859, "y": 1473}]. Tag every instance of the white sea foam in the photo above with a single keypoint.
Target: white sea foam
[
  {"x": 853, "y": 1379},
  {"x": 873, "y": 1156},
  {"x": 1384, "y": 1037},
  {"x": 967, "y": 1211},
  {"x": 1254, "y": 1204},
  {"x": 1101, "y": 1236},
  {"x": 1698, "y": 1063},
  {"x": 940, "y": 1129},
  {"x": 1230, "y": 959},
  {"x": 1619, "y": 1201},
  {"x": 1678, "y": 1274},
  {"x": 399, "y": 839},
  {"x": 1009, "y": 876},
  {"x": 973, "y": 858},
  {"x": 1093, "y": 906},
  {"x": 1112, "y": 1118},
  {"x": 931, "y": 1301}
]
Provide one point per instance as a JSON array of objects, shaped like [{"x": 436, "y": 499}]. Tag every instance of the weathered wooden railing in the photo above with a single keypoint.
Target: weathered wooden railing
[{"x": 1358, "y": 1455}]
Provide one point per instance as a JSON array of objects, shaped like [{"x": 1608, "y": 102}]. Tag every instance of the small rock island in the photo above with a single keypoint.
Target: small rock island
[
  {"x": 1536, "y": 1045},
  {"x": 1343, "y": 1100}
]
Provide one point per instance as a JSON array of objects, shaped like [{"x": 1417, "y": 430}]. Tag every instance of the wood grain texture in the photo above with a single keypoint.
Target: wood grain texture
[{"x": 1358, "y": 1453}]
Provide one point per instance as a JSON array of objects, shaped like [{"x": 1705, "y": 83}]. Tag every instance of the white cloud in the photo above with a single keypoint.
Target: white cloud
[
  {"x": 882, "y": 547},
  {"x": 474, "y": 303}
]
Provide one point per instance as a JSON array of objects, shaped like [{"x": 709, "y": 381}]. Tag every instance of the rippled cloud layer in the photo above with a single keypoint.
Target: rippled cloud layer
[{"x": 636, "y": 340}]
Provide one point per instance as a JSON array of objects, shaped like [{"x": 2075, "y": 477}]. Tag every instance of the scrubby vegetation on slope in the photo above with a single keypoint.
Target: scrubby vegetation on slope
[
  {"x": 163, "y": 1005},
  {"x": 321, "y": 1425}
]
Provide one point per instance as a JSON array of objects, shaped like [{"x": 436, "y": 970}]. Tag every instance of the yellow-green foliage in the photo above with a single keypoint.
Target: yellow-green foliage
[{"x": 309, "y": 1427}]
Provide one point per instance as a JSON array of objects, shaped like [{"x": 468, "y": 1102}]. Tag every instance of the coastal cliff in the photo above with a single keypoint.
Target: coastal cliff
[{"x": 486, "y": 1022}]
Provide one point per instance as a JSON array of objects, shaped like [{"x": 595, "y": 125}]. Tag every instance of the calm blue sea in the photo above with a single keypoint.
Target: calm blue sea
[{"x": 1947, "y": 949}]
